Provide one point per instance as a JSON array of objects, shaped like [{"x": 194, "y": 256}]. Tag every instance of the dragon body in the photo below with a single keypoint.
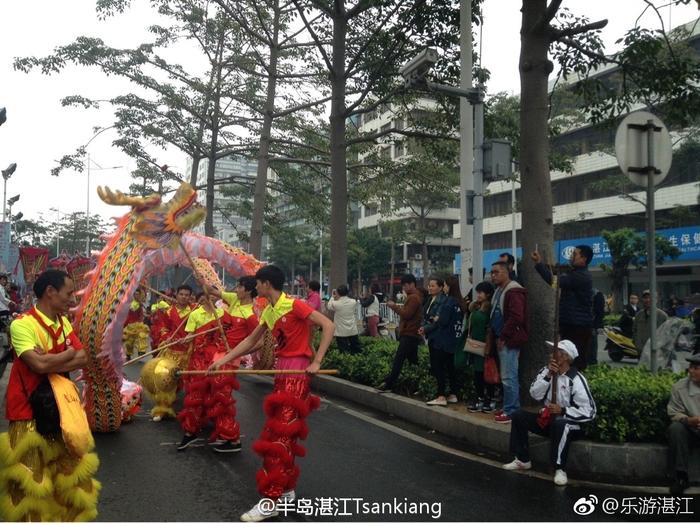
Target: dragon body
[
  {"x": 105, "y": 301},
  {"x": 150, "y": 238}
]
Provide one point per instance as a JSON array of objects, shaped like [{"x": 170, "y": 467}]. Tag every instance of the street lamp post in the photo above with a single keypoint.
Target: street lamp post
[
  {"x": 6, "y": 176},
  {"x": 87, "y": 212}
]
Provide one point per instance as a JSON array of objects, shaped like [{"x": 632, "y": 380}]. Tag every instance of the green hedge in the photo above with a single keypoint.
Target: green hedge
[
  {"x": 631, "y": 402},
  {"x": 373, "y": 364}
]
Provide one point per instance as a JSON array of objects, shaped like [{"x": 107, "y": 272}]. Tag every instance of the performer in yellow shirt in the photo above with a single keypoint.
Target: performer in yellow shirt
[
  {"x": 136, "y": 332},
  {"x": 40, "y": 478}
]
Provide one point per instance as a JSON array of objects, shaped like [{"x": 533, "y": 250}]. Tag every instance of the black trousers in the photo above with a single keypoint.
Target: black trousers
[
  {"x": 442, "y": 366},
  {"x": 561, "y": 431},
  {"x": 407, "y": 350},
  {"x": 680, "y": 441},
  {"x": 349, "y": 344},
  {"x": 581, "y": 336}
]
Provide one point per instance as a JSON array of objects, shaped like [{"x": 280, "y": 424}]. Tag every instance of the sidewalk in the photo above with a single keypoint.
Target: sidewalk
[{"x": 628, "y": 463}]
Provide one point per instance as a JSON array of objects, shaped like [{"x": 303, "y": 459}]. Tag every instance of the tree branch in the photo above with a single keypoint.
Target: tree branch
[
  {"x": 558, "y": 34},
  {"x": 548, "y": 15},
  {"x": 314, "y": 36}
]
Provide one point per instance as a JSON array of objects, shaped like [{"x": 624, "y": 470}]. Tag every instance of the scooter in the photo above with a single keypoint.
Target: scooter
[{"x": 620, "y": 346}]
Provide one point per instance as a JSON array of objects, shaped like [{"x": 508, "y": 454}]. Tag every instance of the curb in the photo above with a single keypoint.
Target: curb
[{"x": 628, "y": 463}]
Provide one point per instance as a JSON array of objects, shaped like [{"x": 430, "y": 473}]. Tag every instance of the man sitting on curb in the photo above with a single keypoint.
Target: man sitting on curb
[
  {"x": 574, "y": 406},
  {"x": 684, "y": 410}
]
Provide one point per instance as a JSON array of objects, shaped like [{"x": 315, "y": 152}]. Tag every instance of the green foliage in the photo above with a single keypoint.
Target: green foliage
[
  {"x": 368, "y": 254},
  {"x": 611, "y": 319},
  {"x": 631, "y": 404},
  {"x": 373, "y": 364},
  {"x": 628, "y": 248}
]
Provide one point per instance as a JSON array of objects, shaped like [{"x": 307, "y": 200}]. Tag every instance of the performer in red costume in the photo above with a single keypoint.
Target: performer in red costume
[
  {"x": 172, "y": 329},
  {"x": 211, "y": 397},
  {"x": 290, "y": 401}
]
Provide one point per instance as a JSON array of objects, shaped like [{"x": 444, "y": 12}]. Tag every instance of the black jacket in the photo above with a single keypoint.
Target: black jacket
[{"x": 576, "y": 303}]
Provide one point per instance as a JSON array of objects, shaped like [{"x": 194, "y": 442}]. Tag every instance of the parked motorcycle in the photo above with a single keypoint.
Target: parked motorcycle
[{"x": 620, "y": 346}]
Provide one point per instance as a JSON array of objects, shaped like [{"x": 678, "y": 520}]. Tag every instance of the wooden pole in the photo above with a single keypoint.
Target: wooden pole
[
  {"x": 253, "y": 371},
  {"x": 166, "y": 345},
  {"x": 153, "y": 291},
  {"x": 555, "y": 350}
]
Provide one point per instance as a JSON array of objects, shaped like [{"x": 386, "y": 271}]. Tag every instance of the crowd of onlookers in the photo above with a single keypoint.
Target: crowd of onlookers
[{"x": 489, "y": 327}]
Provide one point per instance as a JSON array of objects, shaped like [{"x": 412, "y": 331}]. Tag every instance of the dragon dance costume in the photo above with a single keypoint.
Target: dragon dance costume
[
  {"x": 40, "y": 479},
  {"x": 211, "y": 397},
  {"x": 136, "y": 332},
  {"x": 290, "y": 402}
]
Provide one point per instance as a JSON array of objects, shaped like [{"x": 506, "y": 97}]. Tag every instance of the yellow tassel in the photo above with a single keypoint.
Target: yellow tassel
[
  {"x": 11, "y": 512},
  {"x": 85, "y": 469},
  {"x": 78, "y": 498},
  {"x": 29, "y": 441},
  {"x": 24, "y": 476},
  {"x": 162, "y": 411}
]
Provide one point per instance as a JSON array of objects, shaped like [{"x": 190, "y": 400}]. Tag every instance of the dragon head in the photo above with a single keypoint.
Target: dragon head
[{"x": 157, "y": 224}]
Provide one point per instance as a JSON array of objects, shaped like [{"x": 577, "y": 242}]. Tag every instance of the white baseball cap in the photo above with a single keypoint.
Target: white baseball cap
[{"x": 567, "y": 346}]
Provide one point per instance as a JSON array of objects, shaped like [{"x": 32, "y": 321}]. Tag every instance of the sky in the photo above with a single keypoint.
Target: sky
[{"x": 39, "y": 130}]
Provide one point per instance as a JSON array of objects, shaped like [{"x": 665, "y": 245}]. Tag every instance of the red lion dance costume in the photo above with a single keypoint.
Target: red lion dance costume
[{"x": 290, "y": 402}]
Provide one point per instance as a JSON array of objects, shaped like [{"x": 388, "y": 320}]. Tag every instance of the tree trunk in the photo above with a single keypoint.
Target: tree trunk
[
  {"x": 256, "y": 226},
  {"x": 339, "y": 185},
  {"x": 213, "y": 145},
  {"x": 392, "y": 268},
  {"x": 536, "y": 189}
]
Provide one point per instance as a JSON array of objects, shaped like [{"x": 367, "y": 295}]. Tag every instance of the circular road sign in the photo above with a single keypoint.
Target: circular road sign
[{"x": 632, "y": 147}]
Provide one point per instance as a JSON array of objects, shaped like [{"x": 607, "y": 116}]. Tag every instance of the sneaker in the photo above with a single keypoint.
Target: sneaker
[
  {"x": 475, "y": 405},
  {"x": 187, "y": 440},
  {"x": 679, "y": 485},
  {"x": 516, "y": 464},
  {"x": 439, "y": 401},
  {"x": 488, "y": 406},
  {"x": 502, "y": 418},
  {"x": 383, "y": 387},
  {"x": 452, "y": 399},
  {"x": 228, "y": 446},
  {"x": 263, "y": 509},
  {"x": 157, "y": 418},
  {"x": 560, "y": 478},
  {"x": 498, "y": 412},
  {"x": 267, "y": 508}
]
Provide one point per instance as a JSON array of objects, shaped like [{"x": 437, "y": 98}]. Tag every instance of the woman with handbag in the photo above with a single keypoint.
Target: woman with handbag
[{"x": 475, "y": 346}]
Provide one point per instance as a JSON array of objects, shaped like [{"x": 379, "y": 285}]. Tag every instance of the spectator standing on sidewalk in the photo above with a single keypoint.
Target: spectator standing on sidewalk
[
  {"x": 642, "y": 321},
  {"x": 508, "y": 325},
  {"x": 430, "y": 330},
  {"x": 313, "y": 297},
  {"x": 684, "y": 432},
  {"x": 477, "y": 324},
  {"x": 411, "y": 317},
  {"x": 346, "y": 335},
  {"x": 576, "y": 302},
  {"x": 371, "y": 302}
]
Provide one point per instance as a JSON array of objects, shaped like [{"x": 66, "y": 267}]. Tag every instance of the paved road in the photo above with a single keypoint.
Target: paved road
[{"x": 350, "y": 455}]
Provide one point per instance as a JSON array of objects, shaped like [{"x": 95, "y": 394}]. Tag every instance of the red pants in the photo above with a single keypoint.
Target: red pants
[
  {"x": 286, "y": 408},
  {"x": 210, "y": 397}
]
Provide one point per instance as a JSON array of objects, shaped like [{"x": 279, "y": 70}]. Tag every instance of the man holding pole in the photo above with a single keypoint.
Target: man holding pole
[
  {"x": 290, "y": 401},
  {"x": 173, "y": 329},
  {"x": 209, "y": 397}
]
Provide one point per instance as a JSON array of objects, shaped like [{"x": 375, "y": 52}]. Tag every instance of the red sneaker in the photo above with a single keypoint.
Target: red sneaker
[
  {"x": 502, "y": 418},
  {"x": 498, "y": 412}
]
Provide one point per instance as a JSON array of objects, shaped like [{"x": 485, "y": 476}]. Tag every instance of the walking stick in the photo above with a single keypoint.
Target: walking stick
[
  {"x": 253, "y": 371},
  {"x": 166, "y": 345}
]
